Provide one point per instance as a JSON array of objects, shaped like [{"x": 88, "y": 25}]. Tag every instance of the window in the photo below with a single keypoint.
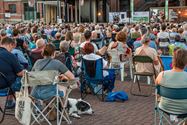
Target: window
[{"x": 12, "y": 8}]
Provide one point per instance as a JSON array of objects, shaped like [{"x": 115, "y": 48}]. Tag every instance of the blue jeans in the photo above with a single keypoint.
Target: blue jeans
[
  {"x": 45, "y": 92},
  {"x": 15, "y": 86}
]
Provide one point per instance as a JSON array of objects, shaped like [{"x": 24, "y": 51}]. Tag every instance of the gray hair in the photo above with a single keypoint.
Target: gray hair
[
  {"x": 145, "y": 39},
  {"x": 3, "y": 32},
  {"x": 143, "y": 30},
  {"x": 64, "y": 46}
]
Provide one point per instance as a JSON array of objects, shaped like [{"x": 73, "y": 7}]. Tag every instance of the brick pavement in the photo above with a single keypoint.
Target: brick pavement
[{"x": 135, "y": 111}]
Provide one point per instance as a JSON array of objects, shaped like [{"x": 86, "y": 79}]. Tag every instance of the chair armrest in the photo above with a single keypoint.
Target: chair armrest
[{"x": 69, "y": 83}]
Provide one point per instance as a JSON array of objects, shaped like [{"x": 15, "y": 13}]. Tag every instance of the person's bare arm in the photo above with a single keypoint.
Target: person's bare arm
[
  {"x": 20, "y": 73},
  {"x": 159, "y": 78},
  {"x": 68, "y": 75},
  {"x": 156, "y": 62}
]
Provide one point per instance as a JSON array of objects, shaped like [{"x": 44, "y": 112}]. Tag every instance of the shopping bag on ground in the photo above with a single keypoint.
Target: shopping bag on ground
[
  {"x": 23, "y": 109},
  {"x": 23, "y": 104},
  {"x": 117, "y": 96}
]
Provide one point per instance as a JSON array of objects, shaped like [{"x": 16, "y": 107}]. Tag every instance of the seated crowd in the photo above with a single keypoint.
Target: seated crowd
[{"x": 61, "y": 47}]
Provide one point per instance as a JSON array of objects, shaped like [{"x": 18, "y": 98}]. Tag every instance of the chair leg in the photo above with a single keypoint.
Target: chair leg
[
  {"x": 4, "y": 110},
  {"x": 137, "y": 81},
  {"x": 138, "y": 84},
  {"x": 102, "y": 93},
  {"x": 122, "y": 71},
  {"x": 130, "y": 66}
]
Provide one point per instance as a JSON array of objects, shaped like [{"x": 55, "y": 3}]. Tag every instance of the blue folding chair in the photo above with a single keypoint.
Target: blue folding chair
[
  {"x": 5, "y": 92},
  {"x": 92, "y": 78},
  {"x": 167, "y": 62},
  {"x": 99, "y": 42},
  {"x": 171, "y": 93}
]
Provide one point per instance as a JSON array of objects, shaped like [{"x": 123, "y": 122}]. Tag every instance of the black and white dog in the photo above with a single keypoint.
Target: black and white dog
[{"x": 76, "y": 107}]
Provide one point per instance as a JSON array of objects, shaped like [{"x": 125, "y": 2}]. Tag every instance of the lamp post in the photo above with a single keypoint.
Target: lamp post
[
  {"x": 166, "y": 9},
  {"x": 58, "y": 10},
  {"x": 66, "y": 11},
  {"x": 179, "y": 16},
  {"x": 131, "y": 9}
]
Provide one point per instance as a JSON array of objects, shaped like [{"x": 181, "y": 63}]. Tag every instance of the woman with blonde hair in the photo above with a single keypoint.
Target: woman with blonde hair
[{"x": 120, "y": 44}]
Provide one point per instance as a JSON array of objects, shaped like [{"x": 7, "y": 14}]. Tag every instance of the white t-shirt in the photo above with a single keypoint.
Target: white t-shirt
[
  {"x": 93, "y": 56},
  {"x": 163, "y": 35},
  {"x": 95, "y": 47}
]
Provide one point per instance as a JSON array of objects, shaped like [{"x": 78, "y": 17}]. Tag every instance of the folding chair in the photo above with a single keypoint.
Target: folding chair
[
  {"x": 92, "y": 78},
  {"x": 171, "y": 93},
  {"x": 48, "y": 77},
  {"x": 5, "y": 92},
  {"x": 167, "y": 62},
  {"x": 116, "y": 61},
  {"x": 98, "y": 42},
  {"x": 163, "y": 45},
  {"x": 144, "y": 60}
]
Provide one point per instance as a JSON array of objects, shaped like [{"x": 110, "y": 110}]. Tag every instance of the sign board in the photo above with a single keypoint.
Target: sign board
[
  {"x": 118, "y": 17},
  {"x": 173, "y": 15},
  {"x": 7, "y": 15},
  {"x": 156, "y": 14},
  {"x": 141, "y": 16}
]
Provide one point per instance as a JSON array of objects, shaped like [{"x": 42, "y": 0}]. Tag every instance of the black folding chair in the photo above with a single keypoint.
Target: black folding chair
[
  {"x": 5, "y": 92},
  {"x": 145, "y": 60}
]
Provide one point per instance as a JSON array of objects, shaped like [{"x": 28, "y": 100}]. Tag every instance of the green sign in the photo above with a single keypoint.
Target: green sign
[
  {"x": 132, "y": 8},
  {"x": 166, "y": 9}
]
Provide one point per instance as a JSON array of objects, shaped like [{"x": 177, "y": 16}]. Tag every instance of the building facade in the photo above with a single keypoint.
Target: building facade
[
  {"x": 73, "y": 10},
  {"x": 142, "y": 5}
]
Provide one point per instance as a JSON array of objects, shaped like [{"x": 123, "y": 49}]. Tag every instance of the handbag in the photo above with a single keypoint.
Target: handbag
[{"x": 23, "y": 106}]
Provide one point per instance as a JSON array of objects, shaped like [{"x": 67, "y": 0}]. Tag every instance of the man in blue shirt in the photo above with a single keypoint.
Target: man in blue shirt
[{"x": 9, "y": 66}]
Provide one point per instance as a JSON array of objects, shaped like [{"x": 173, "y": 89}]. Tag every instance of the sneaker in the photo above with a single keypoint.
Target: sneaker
[{"x": 10, "y": 104}]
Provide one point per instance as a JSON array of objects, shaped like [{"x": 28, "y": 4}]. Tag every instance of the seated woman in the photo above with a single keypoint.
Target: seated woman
[
  {"x": 37, "y": 52},
  {"x": 145, "y": 50},
  {"x": 19, "y": 53},
  {"x": 174, "y": 78},
  {"x": 90, "y": 55},
  {"x": 64, "y": 56},
  {"x": 120, "y": 45},
  {"x": 48, "y": 63}
]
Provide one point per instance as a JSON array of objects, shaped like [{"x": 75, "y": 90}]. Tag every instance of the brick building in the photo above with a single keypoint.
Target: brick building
[
  {"x": 15, "y": 11},
  {"x": 74, "y": 10}
]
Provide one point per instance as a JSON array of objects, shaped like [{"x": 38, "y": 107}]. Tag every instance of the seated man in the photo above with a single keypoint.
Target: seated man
[
  {"x": 10, "y": 67},
  {"x": 37, "y": 52}
]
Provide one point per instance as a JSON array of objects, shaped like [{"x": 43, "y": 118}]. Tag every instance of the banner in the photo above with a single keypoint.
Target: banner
[
  {"x": 141, "y": 17},
  {"x": 118, "y": 17},
  {"x": 157, "y": 14}
]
